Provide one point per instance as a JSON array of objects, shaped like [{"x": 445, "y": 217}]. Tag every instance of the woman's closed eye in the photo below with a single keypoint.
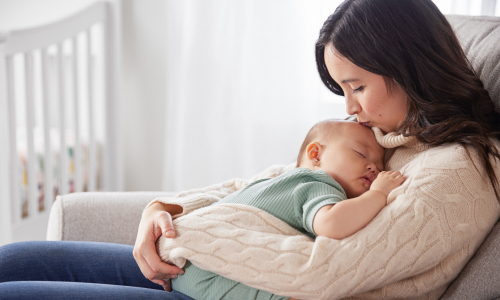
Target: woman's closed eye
[{"x": 360, "y": 89}]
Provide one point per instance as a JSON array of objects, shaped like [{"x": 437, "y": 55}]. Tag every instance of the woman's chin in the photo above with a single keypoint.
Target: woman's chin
[{"x": 385, "y": 130}]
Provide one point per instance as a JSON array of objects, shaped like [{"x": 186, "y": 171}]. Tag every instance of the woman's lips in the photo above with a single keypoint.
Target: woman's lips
[{"x": 367, "y": 124}]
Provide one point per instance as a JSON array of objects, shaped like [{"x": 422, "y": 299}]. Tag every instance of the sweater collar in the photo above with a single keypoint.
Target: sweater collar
[{"x": 393, "y": 139}]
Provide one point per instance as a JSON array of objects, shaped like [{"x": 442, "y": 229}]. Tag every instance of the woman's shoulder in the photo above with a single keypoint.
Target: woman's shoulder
[
  {"x": 446, "y": 157},
  {"x": 441, "y": 174},
  {"x": 450, "y": 157},
  {"x": 450, "y": 182},
  {"x": 457, "y": 157}
]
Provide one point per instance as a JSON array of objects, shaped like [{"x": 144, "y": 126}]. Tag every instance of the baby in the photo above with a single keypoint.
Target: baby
[{"x": 338, "y": 160}]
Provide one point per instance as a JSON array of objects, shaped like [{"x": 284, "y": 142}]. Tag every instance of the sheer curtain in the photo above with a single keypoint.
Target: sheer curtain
[{"x": 242, "y": 86}]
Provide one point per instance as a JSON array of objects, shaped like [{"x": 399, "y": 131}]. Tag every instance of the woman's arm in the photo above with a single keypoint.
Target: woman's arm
[{"x": 156, "y": 220}]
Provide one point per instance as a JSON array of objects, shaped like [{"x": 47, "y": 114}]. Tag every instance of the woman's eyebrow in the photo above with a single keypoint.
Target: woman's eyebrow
[{"x": 350, "y": 80}]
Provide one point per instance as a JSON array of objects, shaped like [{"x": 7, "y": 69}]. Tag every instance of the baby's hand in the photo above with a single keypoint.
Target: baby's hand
[{"x": 387, "y": 181}]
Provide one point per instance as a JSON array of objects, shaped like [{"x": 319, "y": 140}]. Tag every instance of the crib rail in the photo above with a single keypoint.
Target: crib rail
[
  {"x": 41, "y": 37},
  {"x": 63, "y": 50}
]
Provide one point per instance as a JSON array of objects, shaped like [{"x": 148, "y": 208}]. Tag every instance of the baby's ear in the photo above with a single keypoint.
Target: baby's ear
[{"x": 312, "y": 152}]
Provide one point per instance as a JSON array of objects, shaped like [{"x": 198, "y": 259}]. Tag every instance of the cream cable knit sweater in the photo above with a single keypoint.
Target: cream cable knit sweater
[{"x": 414, "y": 248}]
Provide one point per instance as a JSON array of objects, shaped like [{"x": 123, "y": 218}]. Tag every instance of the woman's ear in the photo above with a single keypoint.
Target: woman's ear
[{"x": 312, "y": 152}]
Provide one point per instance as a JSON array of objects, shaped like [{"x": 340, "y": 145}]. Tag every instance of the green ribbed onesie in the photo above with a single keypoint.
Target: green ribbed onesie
[{"x": 294, "y": 197}]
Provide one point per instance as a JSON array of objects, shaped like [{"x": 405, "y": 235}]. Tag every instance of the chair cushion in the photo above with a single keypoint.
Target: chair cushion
[
  {"x": 479, "y": 278},
  {"x": 480, "y": 39}
]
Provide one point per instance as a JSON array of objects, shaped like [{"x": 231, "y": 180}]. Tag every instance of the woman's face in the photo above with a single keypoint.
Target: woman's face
[{"x": 366, "y": 94}]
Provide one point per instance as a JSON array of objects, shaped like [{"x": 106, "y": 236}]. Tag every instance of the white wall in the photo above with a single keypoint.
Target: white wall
[{"x": 144, "y": 94}]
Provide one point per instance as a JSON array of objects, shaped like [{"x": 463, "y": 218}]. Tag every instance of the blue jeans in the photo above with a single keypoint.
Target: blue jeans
[{"x": 74, "y": 270}]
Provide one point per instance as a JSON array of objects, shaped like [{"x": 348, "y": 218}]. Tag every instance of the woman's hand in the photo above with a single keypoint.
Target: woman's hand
[{"x": 156, "y": 221}]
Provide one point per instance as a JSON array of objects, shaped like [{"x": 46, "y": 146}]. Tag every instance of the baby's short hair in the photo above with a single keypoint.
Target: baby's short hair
[{"x": 322, "y": 130}]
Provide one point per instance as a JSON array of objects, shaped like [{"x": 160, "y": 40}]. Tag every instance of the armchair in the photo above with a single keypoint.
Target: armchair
[{"x": 82, "y": 216}]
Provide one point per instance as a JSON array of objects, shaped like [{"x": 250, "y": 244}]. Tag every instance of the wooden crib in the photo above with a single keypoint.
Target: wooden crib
[{"x": 58, "y": 116}]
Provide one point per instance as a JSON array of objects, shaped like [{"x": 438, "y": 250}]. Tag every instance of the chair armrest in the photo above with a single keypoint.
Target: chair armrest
[
  {"x": 111, "y": 217},
  {"x": 479, "y": 278}
]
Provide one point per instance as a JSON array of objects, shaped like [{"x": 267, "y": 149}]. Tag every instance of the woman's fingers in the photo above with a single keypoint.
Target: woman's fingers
[
  {"x": 159, "y": 269},
  {"x": 158, "y": 281},
  {"x": 154, "y": 223},
  {"x": 164, "y": 221},
  {"x": 154, "y": 269},
  {"x": 149, "y": 272},
  {"x": 167, "y": 286}
]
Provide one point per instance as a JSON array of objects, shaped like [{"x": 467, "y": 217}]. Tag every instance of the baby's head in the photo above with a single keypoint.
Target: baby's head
[{"x": 345, "y": 150}]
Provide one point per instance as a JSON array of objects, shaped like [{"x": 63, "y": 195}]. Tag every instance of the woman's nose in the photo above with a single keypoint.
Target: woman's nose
[{"x": 352, "y": 105}]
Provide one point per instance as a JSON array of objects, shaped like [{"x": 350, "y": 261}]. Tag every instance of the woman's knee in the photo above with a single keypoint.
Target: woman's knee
[
  {"x": 12, "y": 253},
  {"x": 13, "y": 257},
  {"x": 34, "y": 260}
]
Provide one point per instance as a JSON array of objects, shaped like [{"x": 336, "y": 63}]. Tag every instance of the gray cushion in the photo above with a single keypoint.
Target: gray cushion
[
  {"x": 480, "y": 39},
  {"x": 480, "y": 277}
]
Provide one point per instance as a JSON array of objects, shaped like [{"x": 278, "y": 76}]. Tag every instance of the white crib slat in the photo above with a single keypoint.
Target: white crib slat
[
  {"x": 44, "y": 36},
  {"x": 48, "y": 164},
  {"x": 63, "y": 150},
  {"x": 31, "y": 159},
  {"x": 14, "y": 157},
  {"x": 92, "y": 155},
  {"x": 111, "y": 155},
  {"x": 77, "y": 146}
]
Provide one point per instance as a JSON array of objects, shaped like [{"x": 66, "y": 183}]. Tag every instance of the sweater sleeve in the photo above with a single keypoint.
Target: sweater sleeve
[
  {"x": 414, "y": 247},
  {"x": 197, "y": 198}
]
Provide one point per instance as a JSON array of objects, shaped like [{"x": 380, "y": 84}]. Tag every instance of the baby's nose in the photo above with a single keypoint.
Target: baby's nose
[{"x": 373, "y": 168}]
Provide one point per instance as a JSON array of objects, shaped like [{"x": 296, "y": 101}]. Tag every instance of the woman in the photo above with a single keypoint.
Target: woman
[{"x": 401, "y": 69}]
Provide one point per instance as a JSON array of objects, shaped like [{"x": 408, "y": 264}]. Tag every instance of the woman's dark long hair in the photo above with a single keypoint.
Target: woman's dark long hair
[{"x": 411, "y": 42}]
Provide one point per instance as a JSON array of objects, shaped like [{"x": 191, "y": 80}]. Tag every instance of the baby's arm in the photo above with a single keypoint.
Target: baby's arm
[{"x": 347, "y": 217}]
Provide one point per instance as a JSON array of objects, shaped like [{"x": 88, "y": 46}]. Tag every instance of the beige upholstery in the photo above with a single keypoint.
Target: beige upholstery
[{"x": 111, "y": 217}]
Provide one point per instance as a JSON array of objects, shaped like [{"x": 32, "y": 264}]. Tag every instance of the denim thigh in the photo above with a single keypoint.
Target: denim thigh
[
  {"x": 45, "y": 269},
  {"x": 71, "y": 261},
  {"x": 56, "y": 290}
]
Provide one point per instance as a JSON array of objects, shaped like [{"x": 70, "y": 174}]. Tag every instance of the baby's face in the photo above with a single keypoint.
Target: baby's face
[{"x": 353, "y": 158}]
